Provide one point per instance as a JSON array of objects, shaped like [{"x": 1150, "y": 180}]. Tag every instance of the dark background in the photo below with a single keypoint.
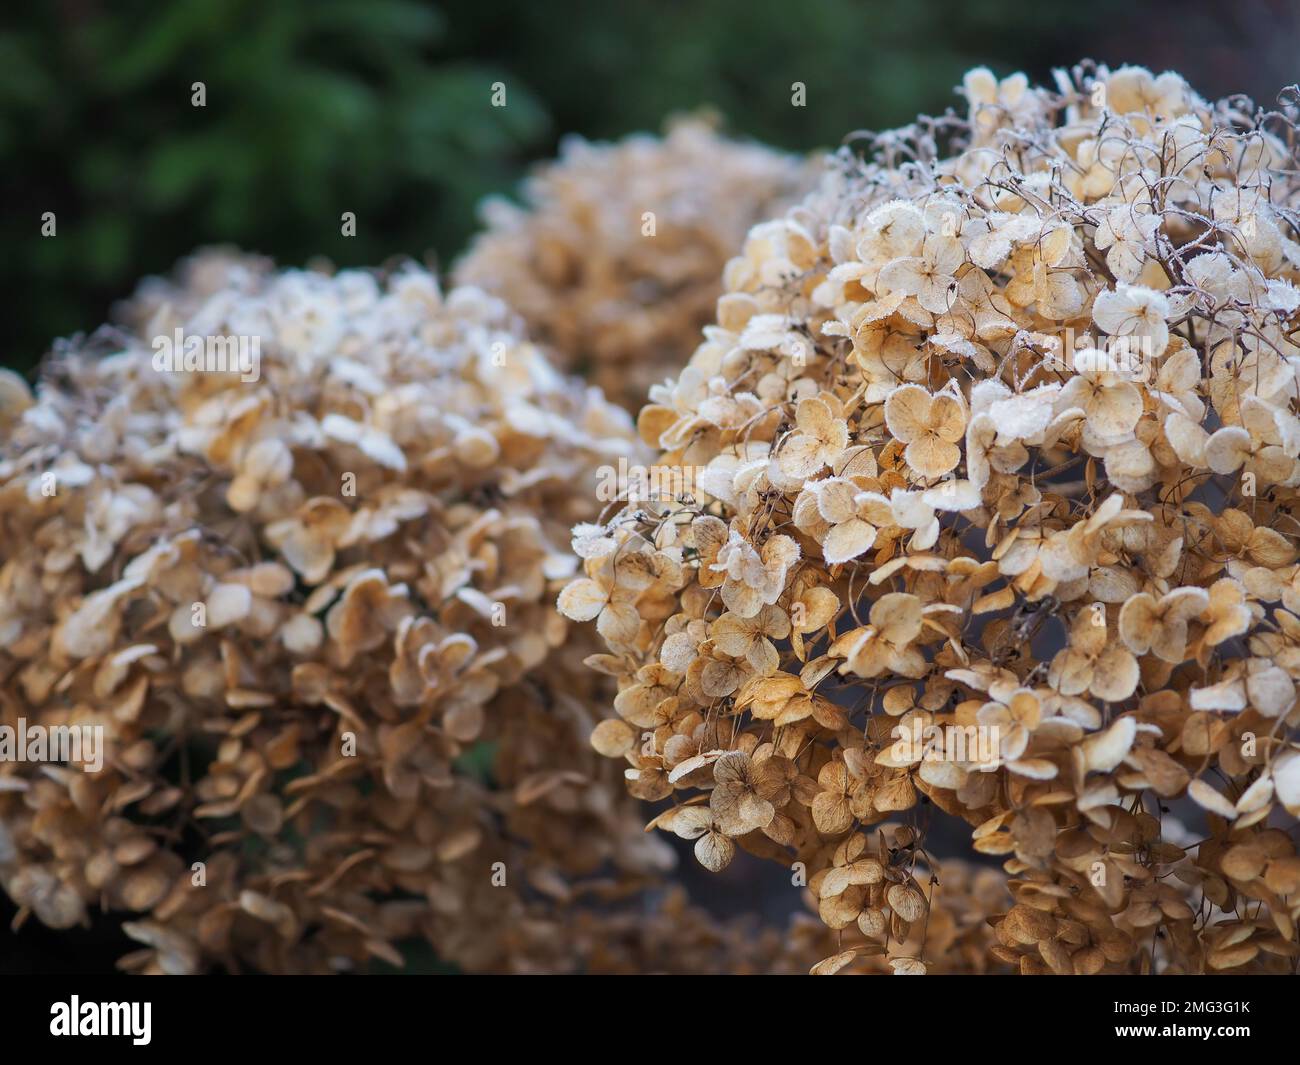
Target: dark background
[{"x": 382, "y": 107}]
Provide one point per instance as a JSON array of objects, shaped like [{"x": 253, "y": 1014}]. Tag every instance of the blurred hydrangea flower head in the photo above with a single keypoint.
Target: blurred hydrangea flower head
[{"x": 615, "y": 257}]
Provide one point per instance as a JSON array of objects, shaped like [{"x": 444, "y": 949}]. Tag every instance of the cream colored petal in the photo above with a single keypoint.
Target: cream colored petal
[
  {"x": 931, "y": 457},
  {"x": 907, "y": 412},
  {"x": 714, "y": 851},
  {"x": 947, "y": 418},
  {"x": 1114, "y": 675},
  {"x": 1227, "y": 449},
  {"x": 1137, "y": 619},
  {"x": 847, "y": 541},
  {"x": 1105, "y": 751}
]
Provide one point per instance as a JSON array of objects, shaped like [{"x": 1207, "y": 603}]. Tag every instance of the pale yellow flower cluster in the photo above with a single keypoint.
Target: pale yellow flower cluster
[
  {"x": 1000, "y": 445},
  {"x": 615, "y": 259}
]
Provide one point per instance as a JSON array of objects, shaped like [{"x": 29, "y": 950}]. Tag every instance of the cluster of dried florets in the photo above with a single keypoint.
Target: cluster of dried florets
[
  {"x": 993, "y": 449},
  {"x": 616, "y": 259},
  {"x": 305, "y": 602},
  {"x": 162, "y": 303}
]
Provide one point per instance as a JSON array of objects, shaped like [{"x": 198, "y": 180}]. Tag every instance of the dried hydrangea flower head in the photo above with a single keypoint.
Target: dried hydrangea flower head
[
  {"x": 159, "y": 304},
  {"x": 614, "y": 260},
  {"x": 994, "y": 446},
  {"x": 306, "y": 599}
]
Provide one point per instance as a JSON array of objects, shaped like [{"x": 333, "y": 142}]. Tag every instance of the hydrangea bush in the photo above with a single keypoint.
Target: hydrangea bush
[
  {"x": 993, "y": 452},
  {"x": 615, "y": 258},
  {"x": 981, "y": 509}
]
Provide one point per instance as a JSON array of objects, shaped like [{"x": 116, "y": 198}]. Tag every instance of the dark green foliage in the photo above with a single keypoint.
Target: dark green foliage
[
  {"x": 314, "y": 107},
  {"x": 383, "y": 108}
]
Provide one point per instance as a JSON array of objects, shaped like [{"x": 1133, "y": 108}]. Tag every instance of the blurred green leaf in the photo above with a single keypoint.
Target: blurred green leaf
[{"x": 382, "y": 107}]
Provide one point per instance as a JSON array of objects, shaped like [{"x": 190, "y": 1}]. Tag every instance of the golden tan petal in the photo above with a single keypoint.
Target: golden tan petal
[
  {"x": 847, "y": 541},
  {"x": 1115, "y": 675},
  {"x": 898, "y": 616},
  {"x": 831, "y": 813},
  {"x": 947, "y": 418},
  {"x": 931, "y": 456},
  {"x": 907, "y": 412},
  {"x": 714, "y": 851},
  {"x": 1206, "y": 797},
  {"x": 907, "y": 902},
  {"x": 618, "y": 622},
  {"x": 1137, "y": 619},
  {"x": 1104, "y": 751},
  {"x": 613, "y": 738},
  {"x": 830, "y": 966}
]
